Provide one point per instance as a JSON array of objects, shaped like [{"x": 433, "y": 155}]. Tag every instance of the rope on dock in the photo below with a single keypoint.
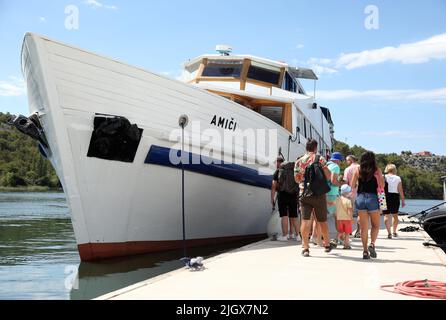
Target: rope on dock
[{"x": 419, "y": 288}]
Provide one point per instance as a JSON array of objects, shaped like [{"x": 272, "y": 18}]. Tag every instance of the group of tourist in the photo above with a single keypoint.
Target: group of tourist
[{"x": 314, "y": 187}]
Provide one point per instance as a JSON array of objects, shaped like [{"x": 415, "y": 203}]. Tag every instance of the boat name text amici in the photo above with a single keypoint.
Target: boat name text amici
[{"x": 224, "y": 123}]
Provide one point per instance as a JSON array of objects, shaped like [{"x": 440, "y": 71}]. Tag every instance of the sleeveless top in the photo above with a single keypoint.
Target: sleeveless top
[{"x": 369, "y": 186}]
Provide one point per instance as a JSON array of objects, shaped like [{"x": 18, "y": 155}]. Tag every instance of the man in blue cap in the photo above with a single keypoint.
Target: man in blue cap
[{"x": 335, "y": 169}]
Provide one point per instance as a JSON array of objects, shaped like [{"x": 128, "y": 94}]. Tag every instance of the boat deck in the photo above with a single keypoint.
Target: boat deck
[{"x": 276, "y": 270}]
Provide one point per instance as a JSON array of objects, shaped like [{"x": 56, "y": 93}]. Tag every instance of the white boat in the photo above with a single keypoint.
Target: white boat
[{"x": 107, "y": 129}]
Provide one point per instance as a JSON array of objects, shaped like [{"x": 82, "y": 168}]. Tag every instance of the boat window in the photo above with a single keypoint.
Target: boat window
[
  {"x": 272, "y": 113},
  {"x": 262, "y": 72},
  {"x": 290, "y": 84},
  {"x": 223, "y": 68},
  {"x": 305, "y": 128},
  {"x": 114, "y": 138},
  {"x": 299, "y": 121}
]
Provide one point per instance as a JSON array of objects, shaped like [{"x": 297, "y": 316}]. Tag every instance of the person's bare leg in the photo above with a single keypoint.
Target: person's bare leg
[
  {"x": 315, "y": 231},
  {"x": 375, "y": 219},
  {"x": 285, "y": 226},
  {"x": 395, "y": 222},
  {"x": 311, "y": 220},
  {"x": 292, "y": 229},
  {"x": 338, "y": 234},
  {"x": 319, "y": 234},
  {"x": 387, "y": 222},
  {"x": 358, "y": 225},
  {"x": 305, "y": 231},
  {"x": 295, "y": 225},
  {"x": 325, "y": 232},
  {"x": 364, "y": 229},
  {"x": 346, "y": 240}
]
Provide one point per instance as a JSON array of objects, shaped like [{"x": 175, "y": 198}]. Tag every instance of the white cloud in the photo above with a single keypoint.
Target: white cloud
[
  {"x": 13, "y": 87},
  {"x": 325, "y": 61},
  {"x": 300, "y": 46},
  {"x": 42, "y": 19},
  {"x": 319, "y": 66},
  {"x": 96, "y": 4},
  {"x": 319, "y": 70},
  {"x": 400, "y": 134},
  {"x": 433, "y": 48},
  {"x": 432, "y": 95}
]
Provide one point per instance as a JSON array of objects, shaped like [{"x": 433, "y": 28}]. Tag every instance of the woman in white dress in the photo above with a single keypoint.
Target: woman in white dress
[{"x": 394, "y": 194}]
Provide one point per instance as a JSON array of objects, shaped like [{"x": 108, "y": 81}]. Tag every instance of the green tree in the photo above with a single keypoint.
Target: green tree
[{"x": 20, "y": 161}]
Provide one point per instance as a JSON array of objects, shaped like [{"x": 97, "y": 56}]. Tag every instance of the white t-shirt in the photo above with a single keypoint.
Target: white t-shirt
[{"x": 393, "y": 182}]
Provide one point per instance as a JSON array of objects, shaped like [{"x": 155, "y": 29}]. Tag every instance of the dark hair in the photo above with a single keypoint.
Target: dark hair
[
  {"x": 311, "y": 145},
  {"x": 280, "y": 159},
  {"x": 368, "y": 166}
]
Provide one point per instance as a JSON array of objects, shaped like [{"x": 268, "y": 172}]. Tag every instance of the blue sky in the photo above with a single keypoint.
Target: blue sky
[{"x": 385, "y": 87}]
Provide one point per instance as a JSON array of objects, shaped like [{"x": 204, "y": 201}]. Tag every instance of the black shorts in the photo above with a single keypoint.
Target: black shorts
[
  {"x": 287, "y": 203},
  {"x": 393, "y": 203}
]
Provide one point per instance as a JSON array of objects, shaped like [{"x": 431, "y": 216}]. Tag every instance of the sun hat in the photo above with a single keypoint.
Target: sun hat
[
  {"x": 345, "y": 188},
  {"x": 336, "y": 156}
]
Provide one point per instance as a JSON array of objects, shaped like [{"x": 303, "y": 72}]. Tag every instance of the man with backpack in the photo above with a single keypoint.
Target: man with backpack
[
  {"x": 312, "y": 173},
  {"x": 287, "y": 189}
]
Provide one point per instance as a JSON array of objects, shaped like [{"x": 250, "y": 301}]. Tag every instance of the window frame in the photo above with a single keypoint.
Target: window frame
[{"x": 243, "y": 79}]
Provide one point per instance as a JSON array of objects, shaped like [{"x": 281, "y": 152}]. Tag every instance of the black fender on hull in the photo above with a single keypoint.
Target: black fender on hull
[
  {"x": 31, "y": 127},
  {"x": 434, "y": 223}
]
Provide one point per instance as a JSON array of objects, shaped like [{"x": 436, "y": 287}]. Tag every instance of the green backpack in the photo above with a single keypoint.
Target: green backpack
[{"x": 286, "y": 178}]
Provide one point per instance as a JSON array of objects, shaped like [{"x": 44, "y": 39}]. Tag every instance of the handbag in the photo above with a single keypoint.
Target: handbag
[{"x": 380, "y": 191}]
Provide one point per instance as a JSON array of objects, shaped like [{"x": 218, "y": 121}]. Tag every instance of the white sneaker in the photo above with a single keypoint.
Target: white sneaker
[{"x": 282, "y": 238}]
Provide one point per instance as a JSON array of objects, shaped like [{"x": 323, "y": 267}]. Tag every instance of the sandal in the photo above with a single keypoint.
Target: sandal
[
  {"x": 365, "y": 255},
  {"x": 372, "y": 251},
  {"x": 395, "y": 234},
  {"x": 330, "y": 247},
  {"x": 389, "y": 236},
  {"x": 347, "y": 248},
  {"x": 306, "y": 252}
]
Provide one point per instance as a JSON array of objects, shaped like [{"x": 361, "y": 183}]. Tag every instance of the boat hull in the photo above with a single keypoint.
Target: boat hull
[{"x": 123, "y": 208}]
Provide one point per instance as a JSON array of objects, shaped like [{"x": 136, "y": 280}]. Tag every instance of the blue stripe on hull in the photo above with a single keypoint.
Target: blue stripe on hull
[{"x": 233, "y": 172}]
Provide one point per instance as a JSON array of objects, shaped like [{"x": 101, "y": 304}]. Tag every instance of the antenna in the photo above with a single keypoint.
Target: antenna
[{"x": 223, "y": 49}]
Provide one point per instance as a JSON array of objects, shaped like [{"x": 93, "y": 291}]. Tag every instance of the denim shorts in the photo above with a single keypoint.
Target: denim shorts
[{"x": 367, "y": 202}]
